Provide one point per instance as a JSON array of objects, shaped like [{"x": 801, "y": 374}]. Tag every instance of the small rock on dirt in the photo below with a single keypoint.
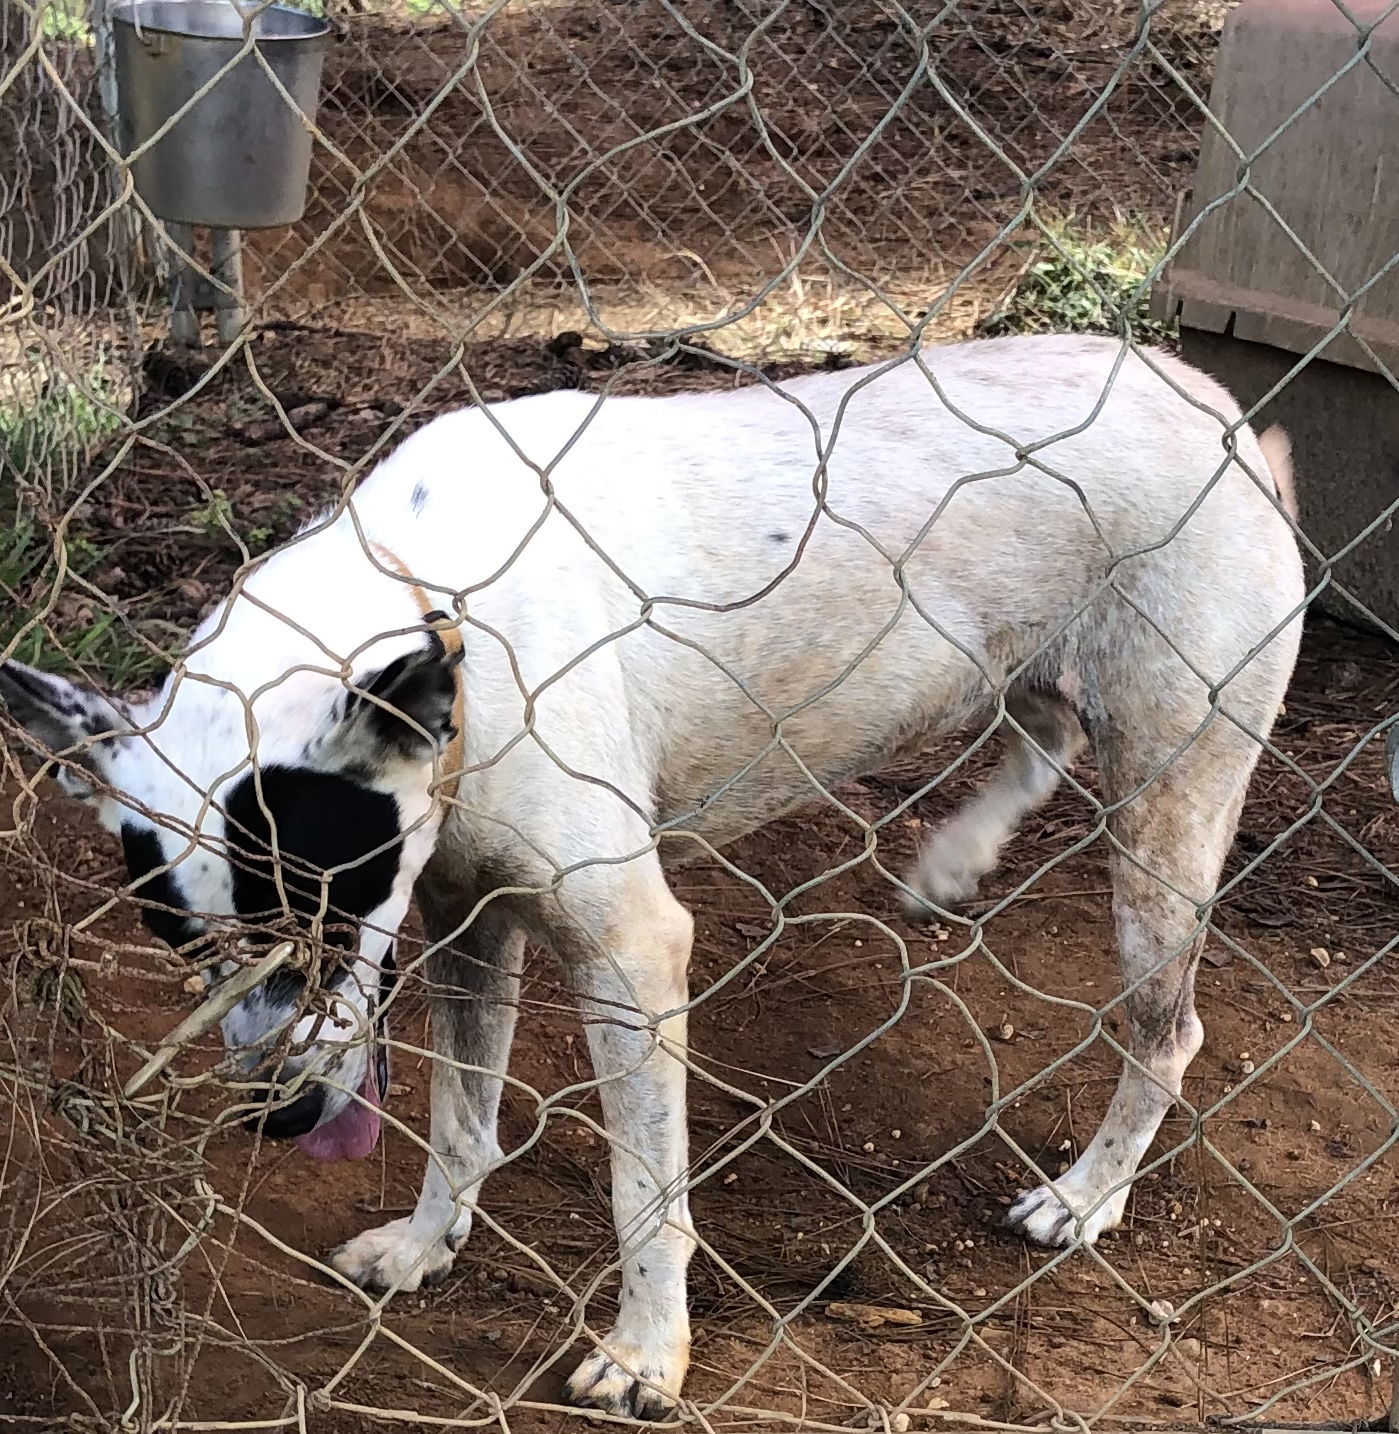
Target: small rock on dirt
[
  {"x": 880, "y": 1419},
  {"x": 297, "y": 420}
]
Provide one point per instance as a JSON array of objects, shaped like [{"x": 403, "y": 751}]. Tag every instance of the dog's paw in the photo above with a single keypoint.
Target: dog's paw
[
  {"x": 950, "y": 868},
  {"x": 941, "y": 880},
  {"x": 1051, "y": 1219},
  {"x": 627, "y": 1378},
  {"x": 392, "y": 1259}
]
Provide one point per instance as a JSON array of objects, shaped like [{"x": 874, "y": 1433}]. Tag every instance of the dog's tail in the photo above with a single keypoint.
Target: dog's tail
[{"x": 1277, "y": 452}]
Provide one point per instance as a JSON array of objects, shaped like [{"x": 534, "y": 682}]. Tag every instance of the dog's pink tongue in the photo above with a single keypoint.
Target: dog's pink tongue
[{"x": 353, "y": 1133}]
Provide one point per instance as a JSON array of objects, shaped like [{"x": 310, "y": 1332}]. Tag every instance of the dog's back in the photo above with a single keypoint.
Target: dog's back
[{"x": 866, "y": 554}]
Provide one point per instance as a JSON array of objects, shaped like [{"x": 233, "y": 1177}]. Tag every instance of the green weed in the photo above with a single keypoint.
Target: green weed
[
  {"x": 215, "y": 519},
  {"x": 102, "y": 644},
  {"x": 65, "y": 20},
  {"x": 1082, "y": 280},
  {"x": 46, "y": 444},
  {"x": 53, "y": 433}
]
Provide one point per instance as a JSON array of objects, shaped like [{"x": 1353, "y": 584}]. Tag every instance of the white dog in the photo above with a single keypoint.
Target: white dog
[{"x": 659, "y": 623}]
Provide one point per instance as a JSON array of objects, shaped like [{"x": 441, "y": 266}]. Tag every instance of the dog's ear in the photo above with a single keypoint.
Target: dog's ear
[
  {"x": 66, "y": 720},
  {"x": 403, "y": 710}
]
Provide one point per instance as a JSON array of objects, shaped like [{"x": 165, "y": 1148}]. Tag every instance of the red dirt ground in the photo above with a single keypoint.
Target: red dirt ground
[
  {"x": 1270, "y": 1286},
  {"x": 454, "y": 144}
]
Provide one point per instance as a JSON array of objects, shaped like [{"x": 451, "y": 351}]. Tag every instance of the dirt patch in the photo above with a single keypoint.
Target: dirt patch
[
  {"x": 655, "y": 147},
  {"x": 1269, "y": 1231}
]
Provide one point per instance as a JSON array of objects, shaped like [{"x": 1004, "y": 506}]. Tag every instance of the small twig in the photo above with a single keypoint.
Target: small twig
[{"x": 209, "y": 1013}]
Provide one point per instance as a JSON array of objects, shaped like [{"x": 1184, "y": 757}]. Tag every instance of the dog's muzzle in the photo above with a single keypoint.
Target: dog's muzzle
[
  {"x": 287, "y": 1122},
  {"x": 350, "y": 1134}
]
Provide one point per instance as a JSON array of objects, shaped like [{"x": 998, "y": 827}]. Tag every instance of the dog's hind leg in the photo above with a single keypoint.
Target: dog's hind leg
[
  {"x": 474, "y": 978},
  {"x": 1043, "y": 739},
  {"x": 1173, "y": 801}
]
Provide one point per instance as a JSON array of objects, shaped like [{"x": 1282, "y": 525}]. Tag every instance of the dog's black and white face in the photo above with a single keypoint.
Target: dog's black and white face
[{"x": 322, "y": 834}]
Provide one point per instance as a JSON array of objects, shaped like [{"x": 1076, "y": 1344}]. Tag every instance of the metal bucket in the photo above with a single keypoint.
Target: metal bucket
[{"x": 239, "y": 157}]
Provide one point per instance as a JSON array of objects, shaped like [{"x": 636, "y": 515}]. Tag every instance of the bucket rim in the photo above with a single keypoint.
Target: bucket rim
[{"x": 124, "y": 12}]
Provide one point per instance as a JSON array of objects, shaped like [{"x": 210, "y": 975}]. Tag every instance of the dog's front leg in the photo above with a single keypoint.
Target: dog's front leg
[
  {"x": 475, "y": 982},
  {"x": 633, "y": 1002}
]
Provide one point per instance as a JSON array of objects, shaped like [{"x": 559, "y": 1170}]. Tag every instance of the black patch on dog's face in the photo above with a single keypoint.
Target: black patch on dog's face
[
  {"x": 412, "y": 695},
  {"x": 144, "y": 863},
  {"x": 323, "y": 823},
  {"x": 388, "y": 973}
]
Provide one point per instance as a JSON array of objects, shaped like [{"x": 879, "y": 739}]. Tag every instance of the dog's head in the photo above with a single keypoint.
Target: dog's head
[{"x": 289, "y": 800}]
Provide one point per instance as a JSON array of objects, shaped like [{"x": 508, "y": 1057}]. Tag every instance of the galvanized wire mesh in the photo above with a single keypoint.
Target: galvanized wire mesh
[{"x": 659, "y": 198}]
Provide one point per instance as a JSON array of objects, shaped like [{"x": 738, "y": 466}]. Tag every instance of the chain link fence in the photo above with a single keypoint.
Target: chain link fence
[{"x": 653, "y": 198}]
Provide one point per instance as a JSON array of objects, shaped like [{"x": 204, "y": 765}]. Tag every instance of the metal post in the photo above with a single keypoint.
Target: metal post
[
  {"x": 227, "y": 269},
  {"x": 184, "y": 318}
]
